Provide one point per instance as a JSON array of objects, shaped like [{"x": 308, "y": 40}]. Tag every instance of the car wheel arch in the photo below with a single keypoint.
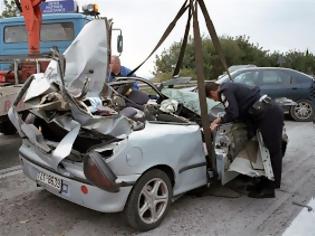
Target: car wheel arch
[
  {"x": 159, "y": 171},
  {"x": 169, "y": 171},
  {"x": 165, "y": 168}
]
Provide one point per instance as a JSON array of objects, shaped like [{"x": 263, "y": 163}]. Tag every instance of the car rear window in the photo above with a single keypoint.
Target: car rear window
[{"x": 49, "y": 32}]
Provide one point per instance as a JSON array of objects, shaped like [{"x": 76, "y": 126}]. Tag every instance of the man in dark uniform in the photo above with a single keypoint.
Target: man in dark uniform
[{"x": 246, "y": 104}]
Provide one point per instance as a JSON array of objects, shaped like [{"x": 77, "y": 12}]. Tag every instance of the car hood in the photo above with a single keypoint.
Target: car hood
[
  {"x": 88, "y": 60},
  {"x": 58, "y": 96},
  {"x": 85, "y": 64}
]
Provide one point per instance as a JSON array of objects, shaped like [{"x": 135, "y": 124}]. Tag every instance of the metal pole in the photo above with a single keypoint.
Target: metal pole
[
  {"x": 16, "y": 74},
  {"x": 37, "y": 66}
]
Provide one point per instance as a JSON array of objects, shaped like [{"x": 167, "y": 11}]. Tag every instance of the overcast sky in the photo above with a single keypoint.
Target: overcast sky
[{"x": 274, "y": 24}]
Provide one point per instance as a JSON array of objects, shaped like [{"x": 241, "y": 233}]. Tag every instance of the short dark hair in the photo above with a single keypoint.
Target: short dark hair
[{"x": 211, "y": 86}]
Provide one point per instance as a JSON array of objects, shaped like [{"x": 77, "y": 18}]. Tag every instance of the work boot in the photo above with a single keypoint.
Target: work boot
[
  {"x": 256, "y": 185},
  {"x": 253, "y": 187},
  {"x": 262, "y": 193}
]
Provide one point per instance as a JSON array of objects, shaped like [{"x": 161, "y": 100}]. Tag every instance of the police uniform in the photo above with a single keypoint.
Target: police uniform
[{"x": 239, "y": 101}]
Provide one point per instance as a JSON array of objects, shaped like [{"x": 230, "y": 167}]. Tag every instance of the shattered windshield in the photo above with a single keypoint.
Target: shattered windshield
[{"x": 189, "y": 99}]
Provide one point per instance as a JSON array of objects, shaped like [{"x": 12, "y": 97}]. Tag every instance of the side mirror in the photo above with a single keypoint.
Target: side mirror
[{"x": 120, "y": 43}]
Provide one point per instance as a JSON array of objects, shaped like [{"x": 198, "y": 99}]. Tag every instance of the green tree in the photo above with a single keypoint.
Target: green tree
[
  {"x": 237, "y": 50},
  {"x": 300, "y": 61},
  {"x": 10, "y": 9}
]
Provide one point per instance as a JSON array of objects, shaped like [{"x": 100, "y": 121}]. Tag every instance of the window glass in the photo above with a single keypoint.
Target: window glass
[
  {"x": 247, "y": 77},
  {"x": 15, "y": 34},
  {"x": 275, "y": 77},
  {"x": 300, "y": 78},
  {"x": 49, "y": 32},
  {"x": 57, "y": 31}
]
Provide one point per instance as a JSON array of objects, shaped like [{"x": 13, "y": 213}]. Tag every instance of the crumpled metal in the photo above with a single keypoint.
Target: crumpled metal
[{"x": 53, "y": 101}]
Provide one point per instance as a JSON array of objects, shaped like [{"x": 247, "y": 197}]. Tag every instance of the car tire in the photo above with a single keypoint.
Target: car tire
[
  {"x": 302, "y": 111},
  {"x": 149, "y": 200}
]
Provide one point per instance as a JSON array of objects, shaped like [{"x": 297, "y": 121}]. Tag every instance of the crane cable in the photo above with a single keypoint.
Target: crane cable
[
  {"x": 184, "y": 44},
  {"x": 193, "y": 6},
  {"x": 165, "y": 34}
]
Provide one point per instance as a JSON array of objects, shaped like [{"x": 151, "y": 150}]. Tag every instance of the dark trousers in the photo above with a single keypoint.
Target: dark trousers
[{"x": 270, "y": 124}]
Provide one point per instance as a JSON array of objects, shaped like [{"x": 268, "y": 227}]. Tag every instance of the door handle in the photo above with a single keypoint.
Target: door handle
[{"x": 294, "y": 88}]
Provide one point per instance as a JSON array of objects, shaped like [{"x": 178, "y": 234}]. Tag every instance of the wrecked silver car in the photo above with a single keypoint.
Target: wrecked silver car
[{"x": 113, "y": 153}]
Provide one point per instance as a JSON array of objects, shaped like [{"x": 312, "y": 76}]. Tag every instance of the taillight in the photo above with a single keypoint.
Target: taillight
[{"x": 98, "y": 172}]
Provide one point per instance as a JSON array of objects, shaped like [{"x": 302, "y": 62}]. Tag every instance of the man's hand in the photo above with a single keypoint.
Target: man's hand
[
  {"x": 213, "y": 126},
  {"x": 215, "y": 123}
]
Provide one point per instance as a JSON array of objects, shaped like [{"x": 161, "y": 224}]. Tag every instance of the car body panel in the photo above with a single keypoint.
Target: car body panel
[
  {"x": 96, "y": 198},
  {"x": 235, "y": 153}
]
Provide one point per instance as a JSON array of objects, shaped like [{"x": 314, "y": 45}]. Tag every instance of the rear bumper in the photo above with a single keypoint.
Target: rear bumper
[{"x": 96, "y": 198}]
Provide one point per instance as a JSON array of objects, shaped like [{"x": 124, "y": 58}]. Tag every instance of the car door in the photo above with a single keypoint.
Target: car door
[
  {"x": 275, "y": 83},
  {"x": 301, "y": 86}
]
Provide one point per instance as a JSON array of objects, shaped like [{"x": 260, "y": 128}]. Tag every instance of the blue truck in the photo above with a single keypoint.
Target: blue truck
[{"x": 57, "y": 30}]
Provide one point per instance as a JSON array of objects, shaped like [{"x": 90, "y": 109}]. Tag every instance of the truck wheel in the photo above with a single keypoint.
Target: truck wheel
[
  {"x": 149, "y": 200},
  {"x": 302, "y": 111},
  {"x": 7, "y": 128}
]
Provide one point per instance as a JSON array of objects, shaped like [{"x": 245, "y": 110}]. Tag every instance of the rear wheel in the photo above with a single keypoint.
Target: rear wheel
[
  {"x": 149, "y": 200},
  {"x": 302, "y": 111}
]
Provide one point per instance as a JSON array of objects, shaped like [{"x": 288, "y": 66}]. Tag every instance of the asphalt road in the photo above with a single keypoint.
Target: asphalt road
[
  {"x": 28, "y": 210},
  {"x": 9, "y": 150}
]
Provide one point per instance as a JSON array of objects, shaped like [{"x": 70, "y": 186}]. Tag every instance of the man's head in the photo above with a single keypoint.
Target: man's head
[
  {"x": 115, "y": 65},
  {"x": 212, "y": 90}
]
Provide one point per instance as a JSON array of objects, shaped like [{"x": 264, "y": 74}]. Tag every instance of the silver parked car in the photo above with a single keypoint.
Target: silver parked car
[{"x": 123, "y": 151}]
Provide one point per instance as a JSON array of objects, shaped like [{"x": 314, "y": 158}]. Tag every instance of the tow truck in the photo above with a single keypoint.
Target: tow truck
[{"x": 25, "y": 42}]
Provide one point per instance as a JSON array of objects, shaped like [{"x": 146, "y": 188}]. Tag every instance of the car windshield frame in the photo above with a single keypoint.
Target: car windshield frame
[{"x": 165, "y": 93}]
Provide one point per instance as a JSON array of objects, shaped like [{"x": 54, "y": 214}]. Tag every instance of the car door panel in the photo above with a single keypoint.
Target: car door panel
[{"x": 275, "y": 83}]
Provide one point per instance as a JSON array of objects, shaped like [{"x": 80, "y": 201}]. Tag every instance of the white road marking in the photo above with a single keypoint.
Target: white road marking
[{"x": 303, "y": 224}]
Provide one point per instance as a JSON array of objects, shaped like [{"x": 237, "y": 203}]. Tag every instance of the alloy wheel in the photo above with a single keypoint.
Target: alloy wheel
[
  {"x": 303, "y": 110},
  {"x": 153, "y": 200}
]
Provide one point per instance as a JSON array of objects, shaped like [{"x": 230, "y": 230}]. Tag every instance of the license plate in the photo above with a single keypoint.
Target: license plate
[{"x": 50, "y": 181}]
